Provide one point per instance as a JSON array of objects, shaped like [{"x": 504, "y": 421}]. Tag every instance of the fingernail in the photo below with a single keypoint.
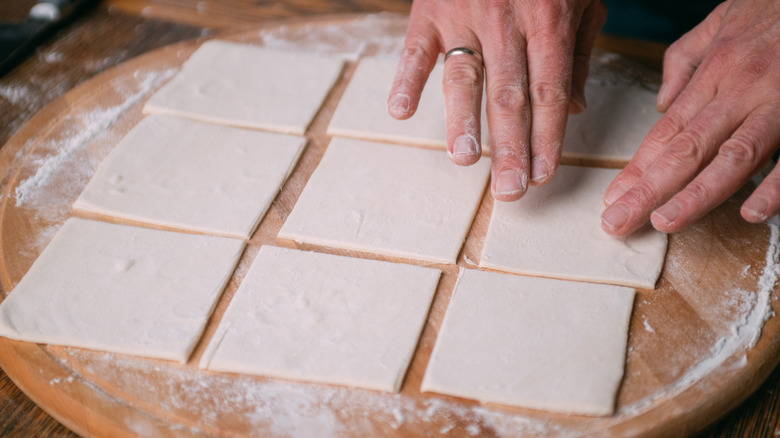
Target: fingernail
[
  {"x": 615, "y": 192},
  {"x": 510, "y": 182},
  {"x": 539, "y": 169},
  {"x": 579, "y": 103},
  {"x": 668, "y": 212},
  {"x": 757, "y": 207},
  {"x": 400, "y": 104},
  {"x": 615, "y": 217},
  {"x": 661, "y": 101},
  {"x": 465, "y": 146}
]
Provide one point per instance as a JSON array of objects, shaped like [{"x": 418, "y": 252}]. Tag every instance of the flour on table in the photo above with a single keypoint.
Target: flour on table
[
  {"x": 555, "y": 231},
  {"x": 532, "y": 342},
  {"x": 324, "y": 318},
  {"x": 192, "y": 175},
  {"x": 122, "y": 289},
  {"x": 249, "y": 86},
  {"x": 362, "y": 111},
  {"x": 388, "y": 199}
]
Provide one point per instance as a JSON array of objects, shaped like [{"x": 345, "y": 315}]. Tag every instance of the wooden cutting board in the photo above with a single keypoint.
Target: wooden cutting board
[{"x": 690, "y": 359}]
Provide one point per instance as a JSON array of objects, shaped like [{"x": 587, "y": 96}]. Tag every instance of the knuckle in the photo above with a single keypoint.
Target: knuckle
[
  {"x": 687, "y": 148},
  {"x": 665, "y": 129},
  {"x": 508, "y": 98},
  {"x": 643, "y": 194},
  {"x": 722, "y": 55},
  {"x": 755, "y": 67},
  {"x": 739, "y": 150},
  {"x": 549, "y": 94},
  {"x": 464, "y": 73},
  {"x": 694, "y": 194},
  {"x": 417, "y": 54}
]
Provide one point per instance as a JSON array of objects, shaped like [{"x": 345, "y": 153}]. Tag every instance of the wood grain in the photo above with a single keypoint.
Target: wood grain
[
  {"x": 689, "y": 317},
  {"x": 45, "y": 80}
]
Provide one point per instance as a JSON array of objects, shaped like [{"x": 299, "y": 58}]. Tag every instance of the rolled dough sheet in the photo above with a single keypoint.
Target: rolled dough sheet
[
  {"x": 555, "y": 231},
  {"x": 192, "y": 175},
  {"x": 532, "y": 342},
  {"x": 388, "y": 199},
  {"x": 249, "y": 86},
  {"x": 621, "y": 110},
  {"x": 324, "y": 318},
  {"x": 122, "y": 289},
  {"x": 362, "y": 111}
]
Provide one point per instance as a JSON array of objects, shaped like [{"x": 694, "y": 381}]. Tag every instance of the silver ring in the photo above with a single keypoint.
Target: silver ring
[{"x": 463, "y": 51}]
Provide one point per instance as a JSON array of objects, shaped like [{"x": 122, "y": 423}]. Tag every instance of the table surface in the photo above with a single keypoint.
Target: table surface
[{"x": 117, "y": 30}]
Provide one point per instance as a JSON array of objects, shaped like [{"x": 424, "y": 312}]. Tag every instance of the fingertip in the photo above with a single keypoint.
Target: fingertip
[
  {"x": 615, "y": 191},
  {"x": 465, "y": 150},
  {"x": 399, "y": 106},
  {"x": 614, "y": 220},
  {"x": 661, "y": 103},
  {"x": 755, "y": 210},
  {"x": 510, "y": 185},
  {"x": 667, "y": 218},
  {"x": 542, "y": 171}
]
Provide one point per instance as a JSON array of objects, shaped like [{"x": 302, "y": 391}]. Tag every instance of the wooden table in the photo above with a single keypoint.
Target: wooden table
[{"x": 117, "y": 30}]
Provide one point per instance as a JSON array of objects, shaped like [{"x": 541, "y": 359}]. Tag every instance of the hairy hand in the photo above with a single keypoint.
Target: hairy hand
[
  {"x": 536, "y": 56},
  {"x": 721, "y": 95}
]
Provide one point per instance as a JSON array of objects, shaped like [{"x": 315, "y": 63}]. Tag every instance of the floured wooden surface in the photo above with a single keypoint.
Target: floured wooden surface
[{"x": 690, "y": 354}]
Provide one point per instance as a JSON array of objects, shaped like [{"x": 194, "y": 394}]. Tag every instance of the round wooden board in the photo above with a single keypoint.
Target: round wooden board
[{"x": 690, "y": 357}]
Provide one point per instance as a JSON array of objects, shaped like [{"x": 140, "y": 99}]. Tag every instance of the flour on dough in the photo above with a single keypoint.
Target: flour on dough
[
  {"x": 192, "y": 175},
  {"x": 388, "y": 199},
  {"x": 362, "y": 111},
  {"x": 249, "y": 86},
  {"x": 324, "y": 318},
  {"x": 555, "y": 231},
  {"x": 620, "y": 113},
  {"x": 532, "y": 342},
  {"x": 122, "y": 289}
]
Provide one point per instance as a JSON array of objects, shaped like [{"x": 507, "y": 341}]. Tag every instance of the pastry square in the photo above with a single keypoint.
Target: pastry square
[
  {"x": 122, "y": 289},
  {"x": 619, "y": 116},
  {"x": 193, "y": 176},
  {"x": 324, "y": 318},
  {"x": 362, "y": 111},
  {"x": 555, "y": 231},
  {"x": 249, "y": 86},
  {"x": 532, "y": 342},
  {"x": 388, "y": 199}
]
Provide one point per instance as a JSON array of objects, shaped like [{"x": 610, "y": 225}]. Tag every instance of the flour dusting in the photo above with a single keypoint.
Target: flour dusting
[
  {"x": 282, "y": 408},
  {"x": 86, "y": 127},
  {"x": 744, "y": 335},
  {"x": 370, "y": 35}
]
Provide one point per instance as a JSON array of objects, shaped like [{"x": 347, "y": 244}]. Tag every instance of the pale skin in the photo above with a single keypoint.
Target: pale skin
[{"x": 720, "y": 96}]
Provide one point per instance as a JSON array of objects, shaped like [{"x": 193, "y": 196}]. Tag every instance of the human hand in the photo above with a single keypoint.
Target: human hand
[
  {"x": 721, "y": 95},
  {"x": 536, "y": 57}
]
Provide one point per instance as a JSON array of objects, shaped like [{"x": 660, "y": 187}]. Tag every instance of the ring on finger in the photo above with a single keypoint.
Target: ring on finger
[{"x": 463, "y": 51}]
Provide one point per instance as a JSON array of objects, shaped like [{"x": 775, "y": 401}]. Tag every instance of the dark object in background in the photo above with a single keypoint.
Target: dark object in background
[
  {"x": 18, "y": 40},
  {"x": 662, "y": 21}
]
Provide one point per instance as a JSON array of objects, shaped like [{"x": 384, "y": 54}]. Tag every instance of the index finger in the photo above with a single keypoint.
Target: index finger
[{"x": 421, "y": 49}]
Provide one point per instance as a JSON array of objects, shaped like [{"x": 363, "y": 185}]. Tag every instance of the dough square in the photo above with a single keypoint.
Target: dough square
[
  {"x": 249, "y": 86},
  {"x": 619, "y": 116},
  {"x": 532, "y": 342},
  {"x": 362, "y": 110},
  {"x": 388, "y": 199},
  {"x": 555, "y": 231},
  {"x": 324, "y": 318},
  {"x": 192, "y": 175},
  {"x": 123, "y": 289}
]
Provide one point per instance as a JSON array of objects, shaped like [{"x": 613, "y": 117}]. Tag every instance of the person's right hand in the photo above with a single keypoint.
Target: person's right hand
[{"x": 536, "y": 57}]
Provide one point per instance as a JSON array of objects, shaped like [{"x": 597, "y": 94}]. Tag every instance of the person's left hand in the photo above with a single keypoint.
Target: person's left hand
[{"x": 721, "y": 94}]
